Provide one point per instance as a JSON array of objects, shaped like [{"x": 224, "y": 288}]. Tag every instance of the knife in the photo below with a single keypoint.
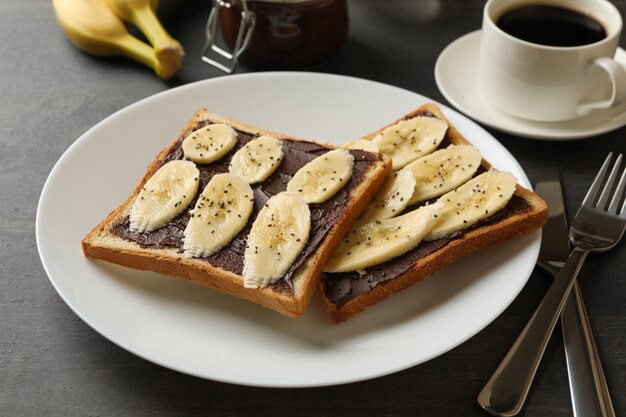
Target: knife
[{"x": 590, "y": 394}]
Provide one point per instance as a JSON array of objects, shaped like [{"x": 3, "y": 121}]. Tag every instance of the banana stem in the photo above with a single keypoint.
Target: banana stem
[
  {"x": 139, "y": 51},
  {"x": 147, "y": 21},
  {"x": 168, "y": 51}
]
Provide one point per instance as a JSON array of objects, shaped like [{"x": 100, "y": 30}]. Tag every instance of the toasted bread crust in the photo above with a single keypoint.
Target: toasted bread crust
[
  {"x": 101, "y": 244},
  {"x": 472, "y": 241}
]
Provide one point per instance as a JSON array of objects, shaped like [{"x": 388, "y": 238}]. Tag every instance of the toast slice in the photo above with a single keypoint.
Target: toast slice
[
  {"x": 349, "y": 293},
  {"x": 161, "y": 250}
]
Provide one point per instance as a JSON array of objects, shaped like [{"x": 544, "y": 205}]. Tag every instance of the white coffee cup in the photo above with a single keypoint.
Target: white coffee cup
[{"x": 548, "y": 83}]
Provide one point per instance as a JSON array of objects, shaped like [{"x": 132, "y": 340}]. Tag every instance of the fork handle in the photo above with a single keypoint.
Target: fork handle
[
  {"x": 590, "y": 393},
  {"x": 506, "y": 390}
]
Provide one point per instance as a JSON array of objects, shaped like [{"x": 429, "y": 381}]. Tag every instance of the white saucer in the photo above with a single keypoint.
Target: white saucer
[{"x": 456, "y": 71}]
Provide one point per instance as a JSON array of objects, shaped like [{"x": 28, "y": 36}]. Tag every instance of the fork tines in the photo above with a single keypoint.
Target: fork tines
[{"x": 608, "y": 188}]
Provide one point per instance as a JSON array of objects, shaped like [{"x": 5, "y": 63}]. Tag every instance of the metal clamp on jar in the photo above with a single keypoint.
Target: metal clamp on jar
[{"x": 275, "y": 34}]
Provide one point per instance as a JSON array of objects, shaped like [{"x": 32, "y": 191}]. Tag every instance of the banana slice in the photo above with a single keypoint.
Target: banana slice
[
  {"x": 209, "y": 143},
  {"x": 381, "y": 240},
  {"x": 475, "y": 200},
  {"x": 164, "y": 196},
  {"x": 321, "y": 178},
  {"x": 362, "y": 144},
  {"x": 410, "y": 139},
  {"x": 277, "y": 237},
  {"x": 391, "y": 200},
  {"x": 442, "y": 171},
  {"x": 221, "y": 211},
  {"x": 257, "y": 160}
]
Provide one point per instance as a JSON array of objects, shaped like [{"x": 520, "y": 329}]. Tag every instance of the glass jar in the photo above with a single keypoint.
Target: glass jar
[{"x": 278, "y": 34}]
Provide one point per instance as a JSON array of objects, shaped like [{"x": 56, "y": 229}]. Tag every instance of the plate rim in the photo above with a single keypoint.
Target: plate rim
[{"x": 335, "y": 380}]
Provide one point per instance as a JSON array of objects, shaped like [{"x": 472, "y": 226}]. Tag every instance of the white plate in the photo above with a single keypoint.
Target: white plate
[
  {"x": 456, "y": 71},
  {"x": 211, "y": 335}
]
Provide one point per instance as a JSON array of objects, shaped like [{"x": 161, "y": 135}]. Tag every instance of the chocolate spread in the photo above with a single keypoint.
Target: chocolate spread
[
  {"x": 345, "y": 286},
  {"x": 230, "y": 258}
]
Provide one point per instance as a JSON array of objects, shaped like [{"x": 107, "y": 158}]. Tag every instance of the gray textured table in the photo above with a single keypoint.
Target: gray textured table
[{"x": 51, "y": 363}]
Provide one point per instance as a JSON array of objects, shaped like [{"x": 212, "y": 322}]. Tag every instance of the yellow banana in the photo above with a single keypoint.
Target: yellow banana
[
  {"x": 93, "y": 28},
  {"x": 141, "y": 14}
]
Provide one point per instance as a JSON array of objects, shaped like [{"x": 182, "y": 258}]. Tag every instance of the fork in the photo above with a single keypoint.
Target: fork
[{"x": 596, "y": 228}]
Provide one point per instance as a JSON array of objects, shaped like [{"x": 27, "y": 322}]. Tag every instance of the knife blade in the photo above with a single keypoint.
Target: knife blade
[
  {"x": 555, "y": 247},
  {"x": 588, "y": 387}
]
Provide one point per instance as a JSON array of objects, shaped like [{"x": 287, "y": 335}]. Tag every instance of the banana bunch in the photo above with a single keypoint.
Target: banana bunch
[{"x": 96, "y": 27}]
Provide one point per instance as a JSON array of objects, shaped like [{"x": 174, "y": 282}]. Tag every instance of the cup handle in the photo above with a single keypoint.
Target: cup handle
[{"x": 617, "y": 76}]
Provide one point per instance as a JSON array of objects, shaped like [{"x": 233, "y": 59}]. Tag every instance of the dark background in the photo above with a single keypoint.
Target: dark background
[{"x": 51, "y": 363}]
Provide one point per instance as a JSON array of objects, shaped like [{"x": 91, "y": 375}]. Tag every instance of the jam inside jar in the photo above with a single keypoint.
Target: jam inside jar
[{"x": 288, "y": 34}]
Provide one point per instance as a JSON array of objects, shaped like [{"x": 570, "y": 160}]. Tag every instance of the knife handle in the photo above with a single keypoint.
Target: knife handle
[
  {"x": 505, "y": 392},
  {"x": 589, "y": 390},
  {"x": 588, "y": 387}
]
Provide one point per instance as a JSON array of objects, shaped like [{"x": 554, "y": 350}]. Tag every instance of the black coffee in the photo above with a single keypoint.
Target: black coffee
[{"x": 551, "y": 25}]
